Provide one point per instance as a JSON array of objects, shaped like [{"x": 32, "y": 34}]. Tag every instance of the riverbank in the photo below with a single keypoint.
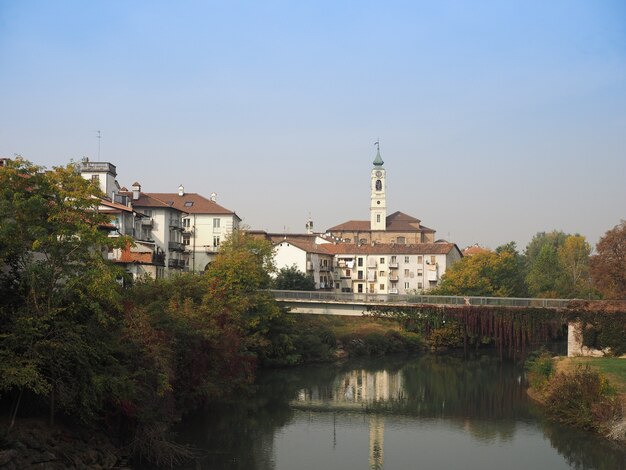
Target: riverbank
[
  {"x": 32, "y": 443},
  {"x": 583, "y": 392}
]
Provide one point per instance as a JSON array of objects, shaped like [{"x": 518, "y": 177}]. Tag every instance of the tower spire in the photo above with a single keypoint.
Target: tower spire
[{"x": 378, "y": 161}]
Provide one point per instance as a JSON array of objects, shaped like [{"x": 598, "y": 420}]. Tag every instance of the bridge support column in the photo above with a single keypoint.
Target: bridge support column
[{"x": 575, "y": 342}]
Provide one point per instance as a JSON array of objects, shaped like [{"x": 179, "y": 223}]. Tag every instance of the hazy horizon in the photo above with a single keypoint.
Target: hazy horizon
[{"x": 496, "y": 120}]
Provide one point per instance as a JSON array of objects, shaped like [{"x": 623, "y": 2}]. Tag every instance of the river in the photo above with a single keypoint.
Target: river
[{"x": 430, "y": 412}]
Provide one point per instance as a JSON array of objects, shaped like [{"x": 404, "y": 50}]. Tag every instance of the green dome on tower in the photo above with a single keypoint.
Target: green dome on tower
[{"x": 378, "y": 161}]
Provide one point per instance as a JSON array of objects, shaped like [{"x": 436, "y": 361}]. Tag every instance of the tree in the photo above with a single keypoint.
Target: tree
[
  {"x": 574, "y": 260},
  {"x": 557, "y": 265},
  {"x": 608, "y": 266},
  {"x": 291, "y": 278},
  {"x": 496, "y": 274},
  {"x": 56, "y": 318}
]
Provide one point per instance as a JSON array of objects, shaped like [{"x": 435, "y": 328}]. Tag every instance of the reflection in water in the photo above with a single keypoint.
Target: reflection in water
[{"x": 390, "y": 414}]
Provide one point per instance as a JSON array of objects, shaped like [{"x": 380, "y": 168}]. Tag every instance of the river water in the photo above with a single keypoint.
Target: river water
[{"x": 427, "y": 412}]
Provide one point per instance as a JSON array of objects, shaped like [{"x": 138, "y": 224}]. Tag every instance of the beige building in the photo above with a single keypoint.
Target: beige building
[{"x": 205, "y": 226}]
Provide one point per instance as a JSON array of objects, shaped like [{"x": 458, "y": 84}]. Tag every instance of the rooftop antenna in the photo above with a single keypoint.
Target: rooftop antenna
[{"x": 99, "y": 136}]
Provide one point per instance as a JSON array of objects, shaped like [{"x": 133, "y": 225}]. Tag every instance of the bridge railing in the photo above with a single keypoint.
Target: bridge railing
[{"x": 350, "y": 297}]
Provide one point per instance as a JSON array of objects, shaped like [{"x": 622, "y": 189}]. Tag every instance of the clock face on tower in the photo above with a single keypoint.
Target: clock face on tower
[{"x": 379, "y": 173}]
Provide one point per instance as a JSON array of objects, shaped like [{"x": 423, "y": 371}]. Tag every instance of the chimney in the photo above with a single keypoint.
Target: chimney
[
  {"x": 181, "y": 190},
  {"x": 213, "y": 197},
  {"x": 136, "y": 187}
]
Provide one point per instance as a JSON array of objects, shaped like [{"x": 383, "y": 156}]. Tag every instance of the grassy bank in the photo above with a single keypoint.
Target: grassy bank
[{"x": 584, "y": 392}]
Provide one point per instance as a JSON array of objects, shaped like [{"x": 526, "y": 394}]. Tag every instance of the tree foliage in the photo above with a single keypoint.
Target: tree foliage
[
  {"x": 291, "y": 278},
  {"x": 59, "y": 293},
  {"x": 486, "y": 274},
  {"x": 608, "y": 266},
  {"x": 557, "y": 265}
]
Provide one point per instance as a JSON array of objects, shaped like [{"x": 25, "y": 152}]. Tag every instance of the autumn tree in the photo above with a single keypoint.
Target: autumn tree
[
  {"x": 608, "y": 265},
  {"x": 486, "y": 274},
  {"x": 58, "y": 290},
  {"x": 557, "y": 265},
  {"x": 291, "y": 278}
]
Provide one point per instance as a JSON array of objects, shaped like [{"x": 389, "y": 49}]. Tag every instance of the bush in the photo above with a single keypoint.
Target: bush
[
  {"x": 450, "y": 335},
  {"x": 582, "y": 399},
  {"x": 540, "y": 368}
]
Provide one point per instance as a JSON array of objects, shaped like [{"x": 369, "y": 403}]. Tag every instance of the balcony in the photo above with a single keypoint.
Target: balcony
[
  {"x": 393, "y": 265},
  {"x": 147, "y": 221},
  {"x": 393, "y": 290},
  {"x": 393, "y": 278},
  {"x": 211, "y": 249},
  {"x": 176, "y": 224},
  {"x": 324, "y": 268},
  {"x": 176, "y": 246}
]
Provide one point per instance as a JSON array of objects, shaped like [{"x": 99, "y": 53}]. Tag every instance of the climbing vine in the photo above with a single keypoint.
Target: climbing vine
[{"x": 511, "y": 331}]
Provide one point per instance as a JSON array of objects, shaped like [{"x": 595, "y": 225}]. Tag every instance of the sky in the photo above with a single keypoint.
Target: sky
[{"x": 496, "y": 119}]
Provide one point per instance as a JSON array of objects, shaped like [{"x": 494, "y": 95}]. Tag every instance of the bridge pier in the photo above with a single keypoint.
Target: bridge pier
[{"x": 575, "y": 345}]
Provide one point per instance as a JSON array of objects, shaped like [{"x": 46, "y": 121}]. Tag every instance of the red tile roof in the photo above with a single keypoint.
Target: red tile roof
[
  {"x": 197, "y": 204},
  {"x": 393, "y": 249},
  {"x": 396, "y": 222}
]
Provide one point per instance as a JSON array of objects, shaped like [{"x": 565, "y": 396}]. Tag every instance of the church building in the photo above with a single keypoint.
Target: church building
[{"x": 397, "y": 228}]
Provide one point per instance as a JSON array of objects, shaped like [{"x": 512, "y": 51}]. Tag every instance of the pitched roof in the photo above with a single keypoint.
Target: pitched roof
[
  {"x": 393, "y": 249},
  {"x": 396, "y": 222},
  {"x": 148, "y": 200},
  {"x": 308, "y": 246},
  {"x": 193, "y": 203}
]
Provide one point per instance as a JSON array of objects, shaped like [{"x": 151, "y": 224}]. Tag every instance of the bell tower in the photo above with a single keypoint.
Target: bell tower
[{"x": 378, "y": 203}]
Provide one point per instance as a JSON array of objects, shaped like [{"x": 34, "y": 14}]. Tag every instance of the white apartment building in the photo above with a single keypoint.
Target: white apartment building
[
  {"x": 309, "y": 256},
  {"x": 391, "y": 268},
  {"x": 205, "y": 225}
]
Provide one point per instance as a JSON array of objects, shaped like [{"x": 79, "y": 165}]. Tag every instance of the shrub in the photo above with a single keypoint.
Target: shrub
[
  {"x": 540, "y": 368},
  {"x": 582, "y": 398},
  {"x": 450, "y": 335}
]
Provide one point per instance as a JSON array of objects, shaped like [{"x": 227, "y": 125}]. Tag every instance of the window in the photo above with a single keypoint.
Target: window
[
  {"x": 420, "y": 285},
  {"x": 188, "y": 203},
  {"x": 420, "y": 272},
  {"x": 362, "y": 241},
  {"x": 95, "y": 179},
  {"x": 216, "y": 242},
  {"x": 382, "y": 261},
  {"x": 401, "y": 241},
  {"x": 360, "y": 261},
  {"x": 186, "y": 239},
  {"x": 216, "y": 223},
  {"x": 406, "y": 273},
  {"x": 406, "y": 285},
  {"x": 325, "y": 263},
  {"x": 433, "y": 260},
  {"x": 407, "y": 259},
  {"x": 186, "y": 223},
  {"x": 419, "y": 259},
  {"x": 379, "y": 185},
  {"x": 360, "y": 288},
  {"x": 377, "y": 218},
  {"x": 347, "y": 240},
  {"x": 382, "y": 286},
  {"x": 394, "y": 259},
  {"x": 348, "y": 273},
  {"x": 360, "y": 274},
  {"x": 382, "y": 273}
]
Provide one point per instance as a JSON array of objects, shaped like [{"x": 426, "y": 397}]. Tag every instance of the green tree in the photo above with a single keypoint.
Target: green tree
[
  {"x": 291, "y": 278},
  {"x": 608, "y": 266},
  {"x": 59, "y": 293},
  {"x": 496, "y": 274},
  {"x": 557, "y": 265},
  {"x": 574, "y": 260}
]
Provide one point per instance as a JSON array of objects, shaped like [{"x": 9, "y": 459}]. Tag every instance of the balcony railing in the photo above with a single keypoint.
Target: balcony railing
[
  {"x": 176, "y": 246},
  {"x": 176, "y": 224},
  {"x": 146, "y": 221},
  {"x": 393, "y": 278},
  {"x": 393, "y": 265}
]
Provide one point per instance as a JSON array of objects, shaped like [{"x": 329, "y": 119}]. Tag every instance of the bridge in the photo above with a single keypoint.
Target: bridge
[{"x": 358, "y": 304}]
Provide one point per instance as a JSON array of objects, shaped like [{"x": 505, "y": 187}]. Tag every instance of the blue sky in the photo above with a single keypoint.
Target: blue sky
[{"x": 497, "y": 119}]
